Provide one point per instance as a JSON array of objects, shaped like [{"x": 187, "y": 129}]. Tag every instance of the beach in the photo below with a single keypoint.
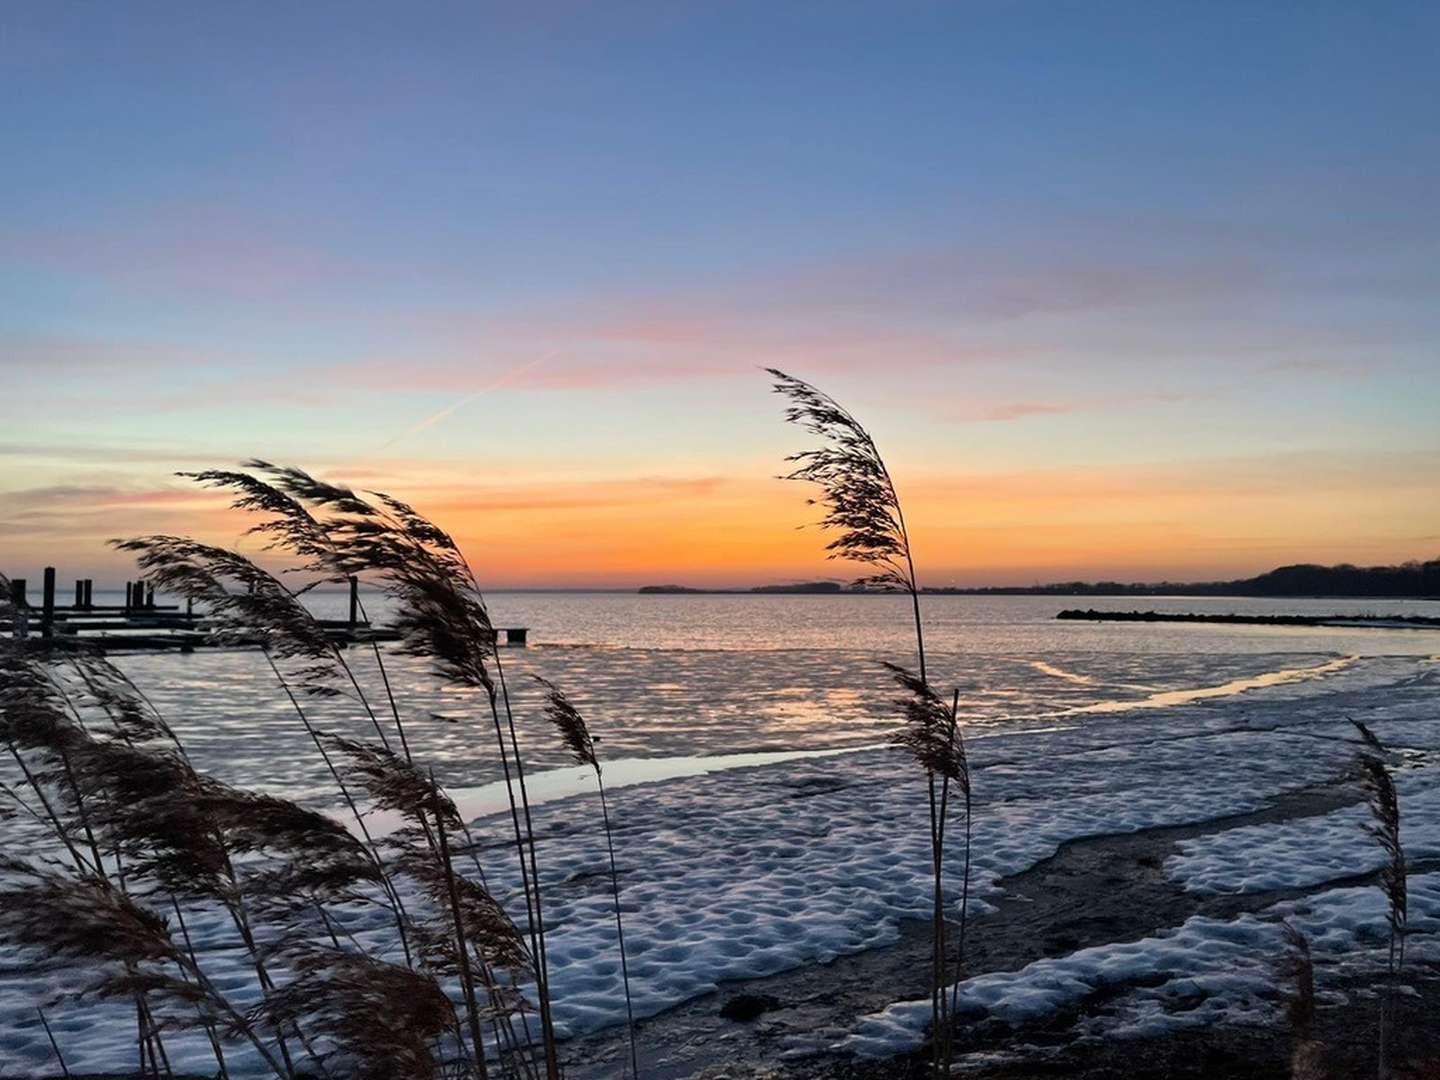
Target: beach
[{"x": 1148, "y": 805}]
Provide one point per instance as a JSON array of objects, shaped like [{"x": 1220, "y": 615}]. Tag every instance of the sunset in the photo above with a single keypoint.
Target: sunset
[
  {"x": 1172, "y": 267},
  {"x": 736, "y": 542}
]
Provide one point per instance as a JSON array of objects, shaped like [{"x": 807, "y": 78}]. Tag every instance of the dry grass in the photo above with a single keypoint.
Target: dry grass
[
  {"x": 144, "y": 836},
  {"x": 1385, "y": 830},
  {"x": 862, "y": 510},
  {"x": 575, "y": 734}
]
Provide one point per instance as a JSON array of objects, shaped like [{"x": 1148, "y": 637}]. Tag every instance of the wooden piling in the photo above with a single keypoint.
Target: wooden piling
[
  {"x": 47, "y": 603},
  {"x": 79, "y": 593},
  {"x": 89, "y": 600},
  {"x": 22, "y": 613},
  {"x": 354, "y": 601}
]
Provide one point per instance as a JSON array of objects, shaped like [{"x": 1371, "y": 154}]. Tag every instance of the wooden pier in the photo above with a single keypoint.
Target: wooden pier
[{"x": 142, "y": 624}]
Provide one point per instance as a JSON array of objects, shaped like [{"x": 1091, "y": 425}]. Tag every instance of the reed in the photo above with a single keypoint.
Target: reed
[
  {"x": 1297, "y": 969},
  {"x": 443, "y": 617},
  {"x": 575, "y": 734},
  {"x": 863, "y": 512},
  {"x": 1384, "y": 828},
  {"x": 107, "y": 774},
  {"x": 441, "y": 614}
]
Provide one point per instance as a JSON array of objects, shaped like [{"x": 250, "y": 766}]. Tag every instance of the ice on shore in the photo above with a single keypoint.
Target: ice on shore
[
  {"x": 750, "y": 871},
  {"x": 1204, "y": 972},
  {"x": 741, "y": 874},
  {"x": 1311, "y": 851}
]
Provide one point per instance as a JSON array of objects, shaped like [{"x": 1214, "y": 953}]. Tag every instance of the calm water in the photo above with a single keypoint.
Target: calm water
[{"x": 670, "y": 676}]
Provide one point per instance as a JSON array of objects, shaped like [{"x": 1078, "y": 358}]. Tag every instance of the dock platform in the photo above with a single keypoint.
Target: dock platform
[{"x": 141, "y": 624}]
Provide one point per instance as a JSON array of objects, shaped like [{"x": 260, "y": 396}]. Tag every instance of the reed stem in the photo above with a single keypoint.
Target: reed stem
[{"x": 619, "y": 927}]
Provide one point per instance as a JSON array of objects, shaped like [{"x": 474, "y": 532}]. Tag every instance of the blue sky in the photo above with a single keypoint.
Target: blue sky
[{"x": 495, "y": 255}]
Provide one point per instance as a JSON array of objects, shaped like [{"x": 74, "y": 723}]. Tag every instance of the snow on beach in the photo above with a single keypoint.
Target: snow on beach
[
  {"x": 1311, "y": 851},
  {"x": 760, "y": 869},
  {"x": 1203, "y": 972},
  {"x": 752, "y": 870}
]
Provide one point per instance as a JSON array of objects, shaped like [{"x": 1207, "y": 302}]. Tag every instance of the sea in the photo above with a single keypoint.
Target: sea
[{"x": 664, "y": 680}]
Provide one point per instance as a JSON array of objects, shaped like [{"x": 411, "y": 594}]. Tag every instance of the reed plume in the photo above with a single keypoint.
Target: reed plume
[
  {"x": 108, "y": 773},
  {"x": 392, "y": 782},
  {"x": 243, "y": 604},
  {"x": 1296, "y": 967},
  {"x": 44, "y": 727},
  {"x": 861, "y": 505},
  {"x": 127, "y": 947},
  {"x": 1384, "y": 829},
  {"x": 464, "y": 915},
  {"x": 440, "y": 614},
  {"x": 382, "y": 1019},
  {"x": 290, "y": 526},
  {"x": 862, "y": 508},
  {"x": 929, "y": 730},
  {"x": 133, "y": 717},
  {"x": 575, "y": 734}
]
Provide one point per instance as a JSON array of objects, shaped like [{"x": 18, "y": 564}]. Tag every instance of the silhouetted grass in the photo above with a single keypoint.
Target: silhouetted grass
[
  {"x": 145, "y": 835},
  {"x": 575, "y": 733},
  {"x": 1297, "y": 969},
  {"x": 1385, "y": 829},
  {"x": 862, "y": 509}
]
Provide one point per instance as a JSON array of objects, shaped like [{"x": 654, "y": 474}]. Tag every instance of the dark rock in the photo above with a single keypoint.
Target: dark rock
[{"x": 743, "y": 1008}]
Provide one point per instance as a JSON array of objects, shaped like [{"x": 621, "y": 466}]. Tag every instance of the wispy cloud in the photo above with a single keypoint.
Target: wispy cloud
[{"x": 1022, "y": 410}]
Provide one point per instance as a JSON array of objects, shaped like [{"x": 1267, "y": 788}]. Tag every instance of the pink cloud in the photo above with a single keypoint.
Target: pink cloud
[{"x": 1020, "y": 410}]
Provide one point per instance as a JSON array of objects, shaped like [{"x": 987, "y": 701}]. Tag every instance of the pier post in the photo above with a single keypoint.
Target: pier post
[
  {"x": 354, "y": 601},
  {"x": 47, "y": 604},
  {"x": 129, "y": 593},
  {"x": 89, "y": 593},
  {"x": 22, "y": 613},
  {"x": 150, "y": 596},
  {"x": 79, "y": 593}
]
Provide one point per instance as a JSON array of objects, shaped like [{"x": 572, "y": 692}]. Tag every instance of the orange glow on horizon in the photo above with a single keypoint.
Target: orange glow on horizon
[{"x": 1190, "y": 522}]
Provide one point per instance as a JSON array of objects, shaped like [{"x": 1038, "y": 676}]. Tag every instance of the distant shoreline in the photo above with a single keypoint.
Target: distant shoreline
[
  {"x": 1177, "y": 594},
  {"x": 1302, "y": 581}
]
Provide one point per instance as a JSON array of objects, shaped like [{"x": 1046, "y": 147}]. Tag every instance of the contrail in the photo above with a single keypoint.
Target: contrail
[{"x": 455, "y": 406}]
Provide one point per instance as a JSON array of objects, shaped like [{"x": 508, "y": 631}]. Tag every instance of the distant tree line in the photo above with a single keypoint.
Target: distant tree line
[{"x": 1411, "y": 580}]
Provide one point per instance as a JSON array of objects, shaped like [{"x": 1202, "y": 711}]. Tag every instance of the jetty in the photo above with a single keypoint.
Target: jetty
[
  {"x": 142, "y": 624},
  {"x": 1383, "y": 622}
]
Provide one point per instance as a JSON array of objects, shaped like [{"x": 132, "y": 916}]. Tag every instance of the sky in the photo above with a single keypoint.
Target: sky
[{"x": 1124, "y": 290}]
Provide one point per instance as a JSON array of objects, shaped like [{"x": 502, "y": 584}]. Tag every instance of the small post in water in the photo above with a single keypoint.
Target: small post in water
[
  {"x": 47, "y": 608},
  {"x": 354, "y": 601}
]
